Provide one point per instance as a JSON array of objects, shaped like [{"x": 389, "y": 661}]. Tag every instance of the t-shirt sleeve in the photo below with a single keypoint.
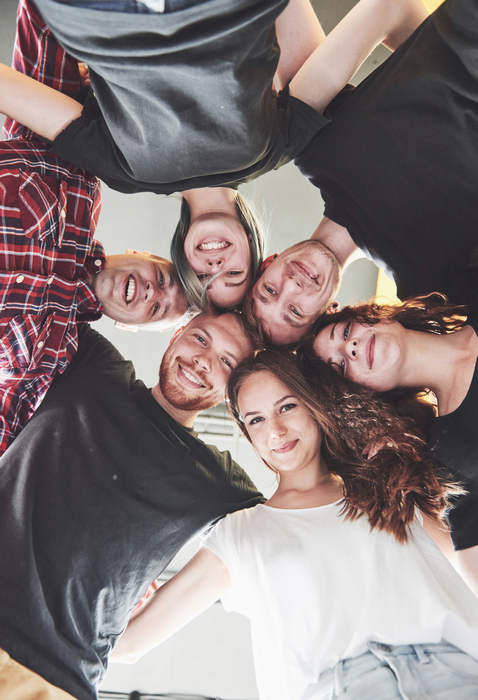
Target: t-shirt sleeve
[
  {"x": 240, "y": 491},
  {"x": 221, "y": 540},
  {"x": 87, "y": 142},
  {"x": 463, "y": 520},
  {"x": 299, "y": 123}
]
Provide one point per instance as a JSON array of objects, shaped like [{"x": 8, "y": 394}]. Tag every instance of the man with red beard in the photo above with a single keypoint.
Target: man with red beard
[{"x": 111, "y": 480}]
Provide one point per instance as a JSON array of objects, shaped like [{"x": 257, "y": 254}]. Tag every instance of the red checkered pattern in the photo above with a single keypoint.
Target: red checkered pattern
[{"x": 48, "y": 214}]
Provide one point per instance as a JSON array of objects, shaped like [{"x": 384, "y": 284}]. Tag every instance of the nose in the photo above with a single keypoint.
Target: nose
[
  {"x": 277, "y": 428},
  {"x": 351, "y": 348},
  {"x": 215, "y": 264},
  {"x": 202, "y": 361},
  {"x": 149, "y": 291}
]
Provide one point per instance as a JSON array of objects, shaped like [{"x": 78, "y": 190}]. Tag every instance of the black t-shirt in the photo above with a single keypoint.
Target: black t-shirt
[
  {"x": 97, "y": 495},
  {"x": 453, "y": 443},
  {"x": 398, "y": 163},
  {"x": 181, "y": 99}
]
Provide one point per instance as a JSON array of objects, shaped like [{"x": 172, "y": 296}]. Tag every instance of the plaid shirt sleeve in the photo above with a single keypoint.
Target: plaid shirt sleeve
[
  {"x": 48, "y": 215},
  {"x": 37, "y": 54}
]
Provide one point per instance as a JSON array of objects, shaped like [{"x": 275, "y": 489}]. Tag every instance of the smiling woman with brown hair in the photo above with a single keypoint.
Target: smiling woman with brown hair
[{"x": 423, "y": 343}]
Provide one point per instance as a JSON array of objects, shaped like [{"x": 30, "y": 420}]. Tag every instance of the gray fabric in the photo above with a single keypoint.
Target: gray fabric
[{"x": 182, "y": 99}]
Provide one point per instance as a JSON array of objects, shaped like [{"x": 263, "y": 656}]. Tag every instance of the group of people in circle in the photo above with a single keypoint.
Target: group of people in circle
[{"x": 366, "y": 414}]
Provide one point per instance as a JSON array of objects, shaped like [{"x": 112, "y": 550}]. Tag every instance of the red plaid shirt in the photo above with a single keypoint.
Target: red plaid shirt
[{"x": 49, "y": 210}]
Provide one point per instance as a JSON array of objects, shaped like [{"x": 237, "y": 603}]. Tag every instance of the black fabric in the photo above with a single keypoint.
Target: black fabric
[
  {"x": 398, "y": 163},
  {"x": 182, "y": 99},
  {"x": 97, "y": 494},
  {"x": 453, "y": 443}
]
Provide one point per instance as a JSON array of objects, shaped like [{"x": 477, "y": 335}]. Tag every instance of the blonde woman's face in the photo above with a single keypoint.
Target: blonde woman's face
[{"x": 217, "y": 243}]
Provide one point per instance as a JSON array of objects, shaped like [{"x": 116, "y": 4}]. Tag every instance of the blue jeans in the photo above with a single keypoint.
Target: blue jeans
[
  {"x": 408, "y": 672},
  {"x": 129, "y": 5}
]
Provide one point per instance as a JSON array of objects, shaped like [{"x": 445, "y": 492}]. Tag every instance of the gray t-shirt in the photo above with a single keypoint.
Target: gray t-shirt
[{"x": 182, "y": 99}]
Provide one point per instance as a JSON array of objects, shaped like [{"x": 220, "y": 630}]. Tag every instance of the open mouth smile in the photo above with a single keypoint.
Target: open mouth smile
[
  {"x": 213, "y": 245},
  {"x": 191, "y": 379},
  {"x": 130, "y": 289}
]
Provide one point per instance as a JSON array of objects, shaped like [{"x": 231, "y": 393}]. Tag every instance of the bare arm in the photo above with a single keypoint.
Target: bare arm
[
  {"x": 191, "y": 591},
  {"x": 336, "y": 59},
  {"x": 299, "y": 33},
  {"x": 40, "y": 108}
]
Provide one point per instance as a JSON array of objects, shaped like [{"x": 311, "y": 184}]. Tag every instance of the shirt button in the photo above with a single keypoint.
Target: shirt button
[
  {"x": 383, "y": 647},
  {"x": 20, "y": 279},
  {"x": 98, "y": 262},
  {"x": 63, "y": 214},
  {"x": 49, "y": 280},
  {"x": 40, "y": 344}
]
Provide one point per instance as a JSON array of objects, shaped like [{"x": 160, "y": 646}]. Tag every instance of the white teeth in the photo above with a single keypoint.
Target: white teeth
[
  {"x": 130, "y": 289},
  {"x": 213, "y": 245},
  {"x": 190, "y": 377}
]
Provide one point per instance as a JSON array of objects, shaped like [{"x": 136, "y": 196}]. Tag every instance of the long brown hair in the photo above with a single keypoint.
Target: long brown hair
[
  {"x": 432, "y": 313},
  {"x": 398, "y": 477}
]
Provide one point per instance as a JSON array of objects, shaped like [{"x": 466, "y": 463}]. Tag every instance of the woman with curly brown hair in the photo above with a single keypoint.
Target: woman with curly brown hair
[
  {"x": 423, "y": 343},
  {"x": 344, "y": 589}
]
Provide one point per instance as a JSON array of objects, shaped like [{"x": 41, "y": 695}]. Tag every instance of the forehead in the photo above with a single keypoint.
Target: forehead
[
  {"x": 225, "y": 332},
  {"x": 263, "y": 384}
]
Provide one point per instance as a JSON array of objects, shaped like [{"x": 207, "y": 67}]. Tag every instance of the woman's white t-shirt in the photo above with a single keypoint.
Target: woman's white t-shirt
[{"x": 317, "y": 588}]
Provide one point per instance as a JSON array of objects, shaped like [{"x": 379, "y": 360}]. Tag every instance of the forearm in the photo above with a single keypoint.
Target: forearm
[
  {"x": 191, "y": 591},
  {"x": 298, "y": 33},
  {"x": 40, "y": 108},
  {"x": 337, "y": 59}
]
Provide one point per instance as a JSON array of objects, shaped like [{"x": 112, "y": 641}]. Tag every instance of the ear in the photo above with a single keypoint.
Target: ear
[
  {"x": 176, "y": 334},
  {"x": 267, "y": 262},
  {"x": 130, "y": 251},
  {"x": 126, "y": 327},
  {"x": 333, "y": 308}
]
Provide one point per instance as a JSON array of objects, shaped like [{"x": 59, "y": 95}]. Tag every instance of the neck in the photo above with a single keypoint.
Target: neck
[
  {"x": 338, "y": 240},
  {"x": 308, "y": 487},
  {"x": 432, "y": 360},
  {"x": 209, "y": 200},
  {"x": 183, "y": 417}
]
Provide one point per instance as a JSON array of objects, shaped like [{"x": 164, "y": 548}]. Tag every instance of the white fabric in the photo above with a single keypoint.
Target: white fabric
[{"x": 318, "y": 587}]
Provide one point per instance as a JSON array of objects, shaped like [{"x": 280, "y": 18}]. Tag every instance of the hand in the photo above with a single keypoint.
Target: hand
[{"x": 84, "y": 74}]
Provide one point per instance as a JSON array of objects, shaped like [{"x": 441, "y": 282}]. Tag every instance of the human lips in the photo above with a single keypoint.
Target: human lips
[
  {"x": 188, "y": 378},
  {"x": 286, "y": 447},
  {"x": 308, "y": 275},
  {"x": 212, "y": 245},
  {"x": 370, "y": 351},
  {"x": 131, "y": 290}
]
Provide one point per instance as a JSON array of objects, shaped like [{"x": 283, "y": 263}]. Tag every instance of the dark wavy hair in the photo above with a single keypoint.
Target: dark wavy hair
[
  {"x": 432, "y": 313},
  {"x": 379, "y": 453}
]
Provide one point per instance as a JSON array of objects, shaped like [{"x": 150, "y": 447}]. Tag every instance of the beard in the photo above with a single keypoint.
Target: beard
[{"x": 177, "y": 394}]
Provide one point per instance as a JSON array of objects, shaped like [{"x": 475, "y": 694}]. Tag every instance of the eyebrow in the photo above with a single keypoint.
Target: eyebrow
[
  {"x": 284, "y": 398},
  {"x": 292, "y": 322},
  {"x": 202, "y": 330},
  {"x": 167, "y": 306},
  {"x": 235, "y": 284},
  {"x": 332, "y": 332},
  {"x": 171, "y": 281}
]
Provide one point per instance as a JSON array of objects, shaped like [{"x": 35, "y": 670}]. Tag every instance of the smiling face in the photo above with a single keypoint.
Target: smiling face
[
  {"x": 280, "y": 426},
  {"x": 196, "y": 367},
  {"x": 371, "y": 355},
  {"x": 217, "y": 243},
  {"x": 294, "y": 290},
  {"x": 137, "y": 289}
]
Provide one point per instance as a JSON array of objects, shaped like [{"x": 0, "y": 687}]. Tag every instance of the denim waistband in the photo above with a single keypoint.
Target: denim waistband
[{"x": 376, "y": 656}]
